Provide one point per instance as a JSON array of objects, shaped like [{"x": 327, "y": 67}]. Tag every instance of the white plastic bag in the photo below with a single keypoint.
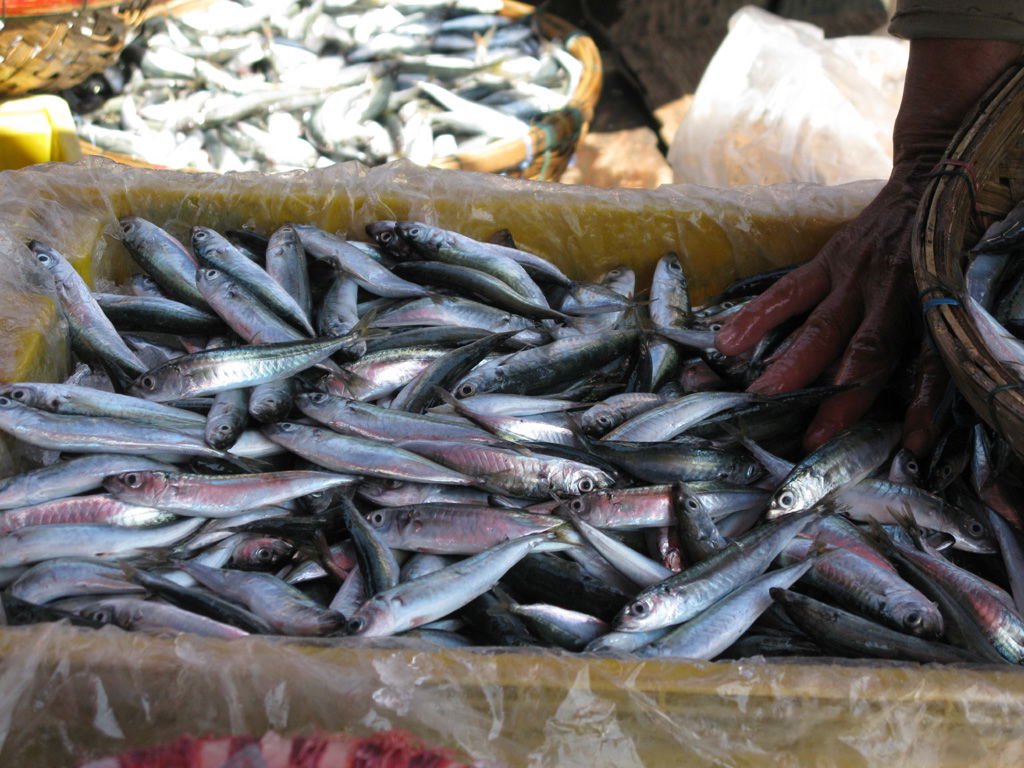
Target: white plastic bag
[{"x": 779, "y": 102}]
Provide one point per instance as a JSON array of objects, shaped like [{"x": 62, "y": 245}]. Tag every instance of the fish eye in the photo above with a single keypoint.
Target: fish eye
[
  {"x": 911, "y": 465},
  {"x": 974, "y": 528},
  {"x": 786, "y": 499},
  {"x": 577, "y": 506},
  {"x": 386, "y": 237},
  {"x": 638, "y": 609},
  {"x": 603, "y": 419},
  {"x": 211, "y": 274},
  {"x": 18, "y": 393},
  {"x": 5, "y": 402},
  {"x": 224, "y": 428},
  {"x": 44, "y": 258},
  {"x": 674, "y": 265},
  {"x": 356, "y": 625},
  {"x": 103, "y": 615},
  {"x": 376, "y": 519},
  {"x": 728, "y": 304},
  {"x": 946, "y": 470},
  {"x": 467, "y": 389},
  {"x": 131, "y": 480},
  {"x": 263, "y": 554},
  {"x": 148, "y": 382},
  {"x": 913, "y": 619},
  {"x": 127, "y": 227},
  {"x": 318, "y": 398},
  {"x": 199, "y": 235},
  {"x": 692, "y": 504},
  {"x": 285, "y": 426},
  {"x": 586, "y": 485},
  {"x": 413, "y": 231},
  {"x": 715, "y": 327},
  {"x": 614, "y": 272}
]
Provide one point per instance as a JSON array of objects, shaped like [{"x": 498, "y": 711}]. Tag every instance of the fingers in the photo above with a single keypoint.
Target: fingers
[
  {"x": 795, "y": 293},
  {"x": 921, "y": 426},
  {"x": 870, "y": 357},
  {"x": 818, "y": 342}
]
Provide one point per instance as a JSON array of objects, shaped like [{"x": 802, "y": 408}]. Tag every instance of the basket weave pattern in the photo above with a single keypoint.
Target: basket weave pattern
[
  {"x": 46, "y": 54},
  {"x": 547, "y": 150},
  {"x": 983, "y": 181}
]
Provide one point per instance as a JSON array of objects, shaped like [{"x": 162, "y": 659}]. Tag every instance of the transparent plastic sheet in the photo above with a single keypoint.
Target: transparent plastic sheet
[
  {"x": 779, "y": 102},
  {"x": 67, "y": 694}
]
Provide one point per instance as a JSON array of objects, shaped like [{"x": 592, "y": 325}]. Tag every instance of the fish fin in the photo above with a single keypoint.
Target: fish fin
[
  {"x": 490, "y": 481},
  {"x": 502, "y": 237},
  {"x": 129, "y": 570},
  {"x": 18, "y": 612},
  {"x": 502, "y": 439},
  {"x": 153, "y": 557},
  {"x": 566, "y": 533},
  {"x": 574, "y": 425},
  {"x": 320, "y": 551},
  {"x": 250, "y": 466}
]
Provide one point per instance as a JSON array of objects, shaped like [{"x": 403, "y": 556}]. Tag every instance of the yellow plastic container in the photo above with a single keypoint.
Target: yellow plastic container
[
  {"x": 67, "y": 695},
  {"x": 36, "y": 129}
]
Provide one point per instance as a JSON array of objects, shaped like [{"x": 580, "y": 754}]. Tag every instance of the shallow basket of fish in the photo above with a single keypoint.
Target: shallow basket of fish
[
  {"x": 482, "y": 85},
  {"x": 546, "y": 152},
  {"x": 979, "y": 185},
  {"x": 49, "y": 46}
]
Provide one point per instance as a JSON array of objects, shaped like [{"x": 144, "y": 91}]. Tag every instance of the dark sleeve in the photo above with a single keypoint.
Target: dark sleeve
[{"x": 977, "y": 20}]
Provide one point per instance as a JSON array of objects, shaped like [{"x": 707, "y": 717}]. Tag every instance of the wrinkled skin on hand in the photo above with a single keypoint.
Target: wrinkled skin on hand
[
  {"x": 863, "y": 307},
  {"x": 859, "y": 291}
]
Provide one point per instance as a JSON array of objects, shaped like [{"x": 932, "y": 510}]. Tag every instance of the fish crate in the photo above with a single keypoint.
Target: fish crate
[
  {"x": 47, "y": 46},
  {"x": 68, "y": 695},
  {"x": 979, "y": 181}
]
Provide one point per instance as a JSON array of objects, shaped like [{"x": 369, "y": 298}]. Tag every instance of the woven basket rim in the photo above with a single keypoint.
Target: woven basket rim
[
  {"x": 993, "y": 388},
  {"x": 579, "y": 111}
]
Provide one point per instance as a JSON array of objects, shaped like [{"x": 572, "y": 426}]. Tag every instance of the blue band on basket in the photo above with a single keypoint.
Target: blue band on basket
[
  {"x": 960, "y": 168},
  {"x": 995, "y": 391},
  {"x": 939, "y": 302}
]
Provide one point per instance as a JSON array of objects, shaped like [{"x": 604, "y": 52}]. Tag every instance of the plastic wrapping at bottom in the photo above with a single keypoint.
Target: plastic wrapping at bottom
[{"x": 67, "y": 695}]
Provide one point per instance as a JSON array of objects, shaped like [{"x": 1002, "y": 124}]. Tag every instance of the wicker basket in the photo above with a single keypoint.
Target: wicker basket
[
  {"x": 50, "y": 46},
  {"x": 548, "y": 148},
  {"x": 984, "y": 179}
]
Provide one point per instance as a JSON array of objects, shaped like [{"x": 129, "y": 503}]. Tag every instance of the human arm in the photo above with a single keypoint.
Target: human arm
[{"x": 859, "y": 290}]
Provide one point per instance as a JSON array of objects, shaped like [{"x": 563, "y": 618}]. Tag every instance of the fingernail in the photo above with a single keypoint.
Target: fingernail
[{"x": 764, "y": 388}]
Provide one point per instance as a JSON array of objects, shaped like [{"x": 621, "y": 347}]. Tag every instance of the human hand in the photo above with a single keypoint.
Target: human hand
[
  {"x": 864, "y": 314},
  {"x": 859, "y": 289}
]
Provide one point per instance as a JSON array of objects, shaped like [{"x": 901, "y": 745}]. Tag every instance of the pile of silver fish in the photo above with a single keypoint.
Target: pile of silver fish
[
  {"x": 269, "y": 86},
  {"x": 425, "y": 434},
  {"x": 994, "y": 288}
]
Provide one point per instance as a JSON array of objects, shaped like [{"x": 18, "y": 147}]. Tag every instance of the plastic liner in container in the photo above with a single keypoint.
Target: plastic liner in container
[{"x": 69, "y": 695}]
